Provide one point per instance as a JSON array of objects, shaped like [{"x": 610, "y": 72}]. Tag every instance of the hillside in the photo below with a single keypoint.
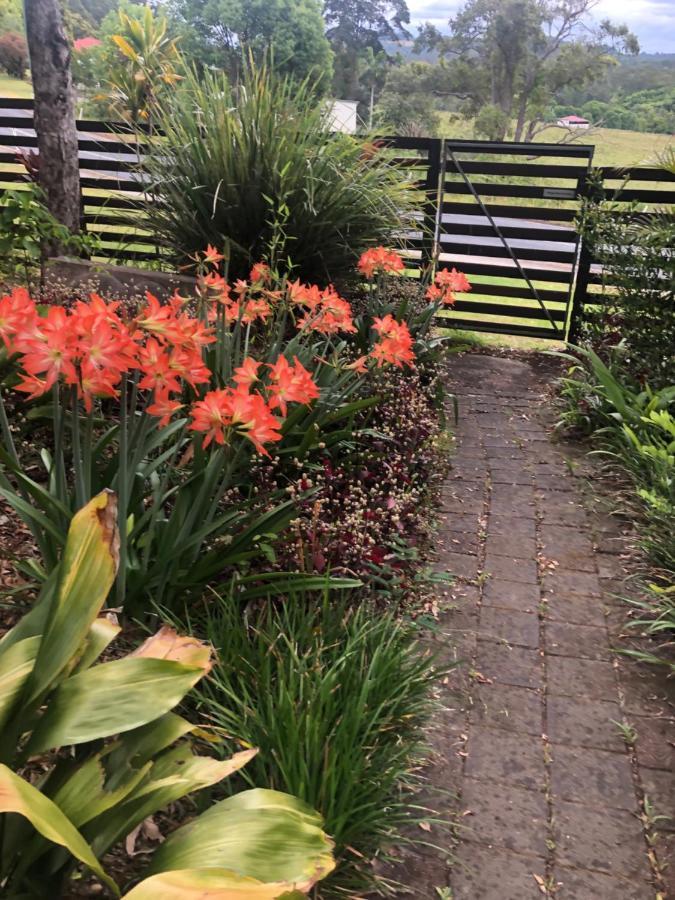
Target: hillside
[{"x": 613, "y": 147}]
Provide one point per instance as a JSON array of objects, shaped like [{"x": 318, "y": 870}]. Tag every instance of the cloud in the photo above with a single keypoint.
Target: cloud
[{"x": 653, "y": 21}]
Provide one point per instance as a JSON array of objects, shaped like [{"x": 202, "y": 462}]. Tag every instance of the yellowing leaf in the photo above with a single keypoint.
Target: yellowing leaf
[
  {"x": 18, "y": 796},
  {"x": 208, "y": 884},
  {"x": 168, "y": 644},
  {"x": 261, "y": 834},
  {"x": 16, "y": 664},
  {"x": 86, "y": 574}
]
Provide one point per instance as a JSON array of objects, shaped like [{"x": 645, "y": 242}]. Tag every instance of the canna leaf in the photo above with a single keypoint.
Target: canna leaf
[
  {"x": 112, "y": 698},
  {"x": 86, "y": 574},
  {"x": 174, "y": 775},
  {"x": 259, "y": 833},
  {"x": 102, "y": 632},
  {"x": 208, "y": 884},
  {"x": 18, "y": 796},
  {"x": 16, "y": 664}
]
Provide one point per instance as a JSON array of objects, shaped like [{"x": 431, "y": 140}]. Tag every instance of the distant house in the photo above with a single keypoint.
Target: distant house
[
  {"x": 86, "y": 43},
  {"x": 573, "y": 122},
  {"x": 341, "y": 116}
]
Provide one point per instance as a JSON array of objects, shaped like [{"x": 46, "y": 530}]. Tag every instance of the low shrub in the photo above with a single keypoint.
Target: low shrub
[
  {"x": 89, "y": 750},
  {"x": 13, "y": 54},
  {"x": 637, "y": 313},
  {"x": 336, "y": 698},
  {"x": 254, "y": 167},
  {"x": 636, "y": 427},
  {"x": 653, "y": 615}
]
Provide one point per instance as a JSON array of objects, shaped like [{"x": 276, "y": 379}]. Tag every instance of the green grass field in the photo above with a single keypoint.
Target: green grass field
[
  {"x": 613, "y": 147},
  {"x": 15, "y": 87}
]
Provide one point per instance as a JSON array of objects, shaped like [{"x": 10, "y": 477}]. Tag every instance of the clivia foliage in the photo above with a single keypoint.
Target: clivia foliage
[
  {"x": 110, "y": 752},
  {"x": 165, "y": 403}
]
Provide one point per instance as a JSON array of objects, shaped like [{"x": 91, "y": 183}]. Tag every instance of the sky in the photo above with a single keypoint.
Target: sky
[{"x": 653, "y": 21}]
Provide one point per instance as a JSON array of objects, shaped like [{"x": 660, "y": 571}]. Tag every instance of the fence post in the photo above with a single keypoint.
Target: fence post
[
  {"x": 433, "y": 189},
  {"x": 586, "y": 191}
]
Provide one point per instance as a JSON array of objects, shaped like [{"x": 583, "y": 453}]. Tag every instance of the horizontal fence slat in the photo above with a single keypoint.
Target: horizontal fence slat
[
  {"x": 499, "y": 328},
  {"x": 513, "y": 148},
  {"x": 499, "y": 250},
  {"x": 495, "y": 289},
  {"x": 495, "y": 189},
  {"x": 499, "y": 210},
  {"x": 636, "y": 173},
  {"x": 512, "y": 232},
  {"x": 516, "y": 312},
  {"x": 470, "y": 267},
  {"x": 485, "y": 167},
  {"x": 631, "y": 195}
]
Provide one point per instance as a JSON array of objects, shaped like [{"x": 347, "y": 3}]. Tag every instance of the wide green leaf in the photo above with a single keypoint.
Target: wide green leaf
[
  {"x": 175, "y": 775},
  {"x": 112, "y": 698},
  {"x": 263, "y": 834},
  {"x": 86, "y": 574},
  {"x": 18, "y": 796},
  {"x": 85, "y": 794},
  {"x": 16, "y": 664}
]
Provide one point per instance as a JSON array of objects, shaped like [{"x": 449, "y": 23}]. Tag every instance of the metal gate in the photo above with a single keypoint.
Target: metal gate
[{"x": 506, "y": 219}]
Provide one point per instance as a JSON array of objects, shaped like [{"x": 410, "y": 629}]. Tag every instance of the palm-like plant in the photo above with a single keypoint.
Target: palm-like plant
[{"x": 148, "y": 64}]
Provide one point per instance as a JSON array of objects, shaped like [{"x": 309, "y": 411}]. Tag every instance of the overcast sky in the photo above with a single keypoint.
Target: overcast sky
[{"x": 653, "y": 21}]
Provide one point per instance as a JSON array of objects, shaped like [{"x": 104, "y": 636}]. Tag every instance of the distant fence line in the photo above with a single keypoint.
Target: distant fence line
[{"x": 502, "y": 212}]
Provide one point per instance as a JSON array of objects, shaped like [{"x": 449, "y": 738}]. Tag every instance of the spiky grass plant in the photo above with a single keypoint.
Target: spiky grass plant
[
  {"x": 336, "y": 698},
  {"x": 253, "y": 166}
]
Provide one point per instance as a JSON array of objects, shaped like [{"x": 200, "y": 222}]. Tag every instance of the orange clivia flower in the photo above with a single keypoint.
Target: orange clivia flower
[
  {"x": 395, "y": 344},
  {"x": 227, "y": 408},
  {"x": 380, "y": 261},
  {"x": 290, "y": 384},
  {"x": 254, "y": 419},
  {"x": 445, "y": 284},
  {"x": 164, "y": 408},
  {"x": 211, "y": 255},
  {"x": 212, "y": 416},
  {"x": 246, "y": 374},
  {"x": 155, "y": 364},
  {"x": 359, "y": 365},
  {"x": 260, "y": 274},
  {"x": 18, "y": 315}
]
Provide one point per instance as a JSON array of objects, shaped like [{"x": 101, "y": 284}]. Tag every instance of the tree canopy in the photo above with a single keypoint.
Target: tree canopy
[
  {"x": 356, "y": 26},
  {"x": 507, "y": 58},
  {"x": 215, "y": 32}
]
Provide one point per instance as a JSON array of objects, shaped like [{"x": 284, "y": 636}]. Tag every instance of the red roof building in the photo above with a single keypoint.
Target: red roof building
[{"x": 86, "y": 43}]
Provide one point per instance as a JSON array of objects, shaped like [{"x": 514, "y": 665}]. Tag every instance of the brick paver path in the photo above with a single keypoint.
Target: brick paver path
[{"x": 547, "y": 791}]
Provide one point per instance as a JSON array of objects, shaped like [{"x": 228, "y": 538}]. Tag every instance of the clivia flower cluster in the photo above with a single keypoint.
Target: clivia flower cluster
[
  {"x": 380, "y": 261},
  {"x": 92, "y": 348},
  {"x": 445, "y": 285},
  {"x": 316, "y": 309}
]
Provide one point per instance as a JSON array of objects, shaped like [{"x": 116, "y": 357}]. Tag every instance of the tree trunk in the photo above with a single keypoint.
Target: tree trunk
[{"x": 49, "y": 52}]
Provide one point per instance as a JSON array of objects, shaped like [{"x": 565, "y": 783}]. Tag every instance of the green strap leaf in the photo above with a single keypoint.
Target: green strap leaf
[{"x": 18, "y": 796}]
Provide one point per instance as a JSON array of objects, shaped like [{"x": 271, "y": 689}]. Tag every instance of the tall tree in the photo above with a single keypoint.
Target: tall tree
[
  {"x": 216, "y": 32},
  {"x": 354, "y": 26},
  {"x": 508, "y": 58},
  {"x": 49, "y": 51}
]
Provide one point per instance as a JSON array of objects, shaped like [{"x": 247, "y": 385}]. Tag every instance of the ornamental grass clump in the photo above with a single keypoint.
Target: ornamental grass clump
[
  {"x": 253, "y": 164},
  {"x": 336, "y": 697}
]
